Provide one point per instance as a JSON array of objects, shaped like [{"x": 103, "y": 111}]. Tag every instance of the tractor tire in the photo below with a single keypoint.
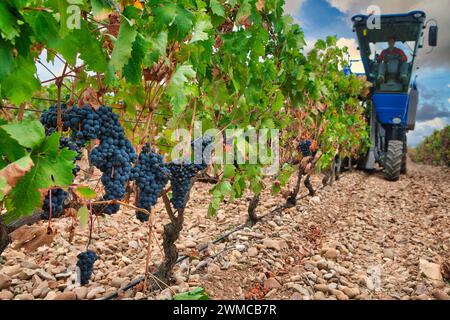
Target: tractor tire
[{"x": 393, "y": 162}]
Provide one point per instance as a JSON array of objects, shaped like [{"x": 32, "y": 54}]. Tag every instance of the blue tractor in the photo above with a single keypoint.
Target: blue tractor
[{"x": 388, "y": 49}]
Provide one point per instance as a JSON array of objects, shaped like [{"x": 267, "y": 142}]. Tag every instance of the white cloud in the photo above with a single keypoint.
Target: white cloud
[
  {"x": 293, "y": 6},
  {"x": 424, "y": 129},
  {"x": 357, "y": 67},
  {"x": 310, "y": 42},
  {"x": 448, "y": 100}
]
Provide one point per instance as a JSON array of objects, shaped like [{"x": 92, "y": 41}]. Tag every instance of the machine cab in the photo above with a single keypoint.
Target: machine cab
[{"x": 388, "y": 53}]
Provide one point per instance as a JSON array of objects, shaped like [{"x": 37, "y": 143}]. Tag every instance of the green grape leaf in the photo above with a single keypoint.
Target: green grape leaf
[
  {"x": 83, "y": 216},
  {"x": 10, "y": 149},
  {"x": 52, "y": 167},
  {"x": 176, "y": 87},
  {"x": 6, "y": 58},
  {"x": 22, "y": 83},
  {"x": 101, "y": 8},
  {"x": 90, "y": 49},
  {"x": 123, "y": 45},
  {"x": 217, "y": 8},
  {"x": 29, "y": 134},
  {"x": 228, "y": 171},
  {"x": 197, "y": 293},
  {"x": 133, "y": 69},
  {"x": 172, "y": 15},
  {"x": 85, "y": 192},
  {"x": 200, "y": 27},
  {"x": 8, "y": 22}
]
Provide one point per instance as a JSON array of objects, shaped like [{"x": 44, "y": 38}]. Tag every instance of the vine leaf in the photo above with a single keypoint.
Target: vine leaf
[
  {"x": 10, "y": 149},
  {"x": 83, "y": 215},
  {"x": 32, "y": 237},
  {"x": 90, "y": 49},
  {"x": 7, "y": 59},
  {"x": 133, "y": 69},
  {"x": 201, "y": 26},
  {"x": 29, "y": 134},
  {"x": 217, "y": 8},
  {"x": 123, "y": 45},
  {"x": 101, "y": 8},
  {"x": 177, "y": 85},
  {"x": 11, "y": 174},
  {"x": 21, "y": 84},
  {"x": 52, "y": 166},
  {"x": 197, "y": 293},
  {"x": 85, "y": 192},
  {"x": 8, "y": 23}
]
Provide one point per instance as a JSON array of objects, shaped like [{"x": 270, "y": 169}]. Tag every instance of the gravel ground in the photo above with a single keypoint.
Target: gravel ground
[{"x": 362, "y": 238}]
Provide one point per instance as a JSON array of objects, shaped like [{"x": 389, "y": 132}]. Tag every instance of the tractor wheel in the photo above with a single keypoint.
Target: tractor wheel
[{"x": 393, "y": 162}]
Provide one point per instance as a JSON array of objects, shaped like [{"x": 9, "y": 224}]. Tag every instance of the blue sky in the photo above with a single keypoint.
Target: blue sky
[{"x": 321, "y": 18}]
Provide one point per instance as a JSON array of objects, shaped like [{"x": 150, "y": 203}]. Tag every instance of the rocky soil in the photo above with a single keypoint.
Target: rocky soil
[{"x": 362, "y": 238}]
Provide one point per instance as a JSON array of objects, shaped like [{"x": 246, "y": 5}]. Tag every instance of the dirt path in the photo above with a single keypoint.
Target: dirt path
[{"x": 363, "y": 238}]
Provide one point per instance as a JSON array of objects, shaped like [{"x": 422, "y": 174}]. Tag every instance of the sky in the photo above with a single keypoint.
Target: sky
[{"x": 321, "y": 18}]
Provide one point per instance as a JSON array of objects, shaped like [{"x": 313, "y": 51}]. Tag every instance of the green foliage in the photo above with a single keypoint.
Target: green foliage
[
  {"x": 435, "y": 149},
  {"x": 194, "y": 294},
  {"x": 52, "y": 166},
  {"x": 239, "y": 64}
]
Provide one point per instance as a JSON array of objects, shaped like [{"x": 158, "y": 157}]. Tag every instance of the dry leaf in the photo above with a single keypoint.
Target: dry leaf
[
  {"x": 260, "y": 5},
  {"x": 89, "y": 97},
  {"x": 32, "y": 237},
  {"x": 12, "y": 173}
]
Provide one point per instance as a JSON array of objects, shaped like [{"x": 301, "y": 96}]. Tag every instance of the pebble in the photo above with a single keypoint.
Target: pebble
[
  {"x": 97, "y": 290},
  {"x": 81, "y": 292},
  {"x": 6, "y": 295},
  {"x": 322, "y": 287},
  {"x": 440, "y": 295},
  {"x": 117, "y": 282},
  {"x": 296, "y": 296},
  {"x": 430, "y": 270},
  {"x": 45, "y": 275},
  {"x": 66, "y": 296},
  {"x": 351, "y": 292},
  {"x": 24, "y": 296},
  {"x": 298, "y": 288},
  {"x": 272, "y": 283},
  {"x": 5, "y": 281},
  {"x": 319, "y": 295},
  {"x": 388, "y": 253},
  {"x": 331, "y": 254},
  {"x": 252, "y": 252},
  {"x": 11, "y": 270}
]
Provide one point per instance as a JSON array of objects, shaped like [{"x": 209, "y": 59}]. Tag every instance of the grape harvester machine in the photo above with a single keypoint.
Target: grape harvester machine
[{"x": 394, "y": 94}]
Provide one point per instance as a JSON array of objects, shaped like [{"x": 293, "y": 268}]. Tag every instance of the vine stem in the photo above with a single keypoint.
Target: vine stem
[{"x": 149, "y": 247}]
